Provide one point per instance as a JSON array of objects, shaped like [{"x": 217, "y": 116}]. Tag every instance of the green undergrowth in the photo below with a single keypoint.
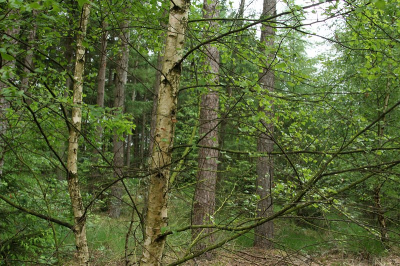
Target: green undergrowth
[{"x": 316, "y": 237}]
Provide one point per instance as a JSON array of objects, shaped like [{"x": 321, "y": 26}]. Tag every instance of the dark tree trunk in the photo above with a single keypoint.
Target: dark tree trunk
[
  {"x": 204, "y": 196},
  {"x": 143, "y": 141},
  {"x": 380, "y": 213},
  {"x": 119, "y": 99},
  {"x": 265, "y": 144},
  {"x": 101, "y": 83},
  {"x": 101, "y": 76}
]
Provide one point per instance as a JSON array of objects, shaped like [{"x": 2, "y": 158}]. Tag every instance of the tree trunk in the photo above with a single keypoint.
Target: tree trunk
[
  {"x": 69, "y": 57},
  {"x": 118, "y": 143},
  {"x": 265, "y": 144},
  {"x": 73, "y": 184},
  {"x": 380, "y": 213},
  {"x": 101, "y": 84},
  {"x": 101, "y": 76},
  {"x": 129, "y": 138},
  {"x": 155, "y": 100},
  {"x": 204, "y": 195},
  {"x": 164, "y": 134}
]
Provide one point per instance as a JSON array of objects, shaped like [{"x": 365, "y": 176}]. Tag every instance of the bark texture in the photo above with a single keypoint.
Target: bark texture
[
  {"x": 380, "y": 212},
  {"x": 101, "y": 84},
  {"x": 101, "y": 76},
  {"x": 155, "y": 101},
  {"x": 157, "y": 217},
  {"x": 204, "y": 197},
  {"x": 74, "y": 133},
  {"x": 265, "y": 144},
  {"x": 119, "y": 100}
]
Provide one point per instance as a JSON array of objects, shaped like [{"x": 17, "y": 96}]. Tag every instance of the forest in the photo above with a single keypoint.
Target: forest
[{"x": 199, "y": 132}]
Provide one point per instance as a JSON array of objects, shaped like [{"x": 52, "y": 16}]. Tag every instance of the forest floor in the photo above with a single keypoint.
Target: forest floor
[{"x": 256, "y": 257}]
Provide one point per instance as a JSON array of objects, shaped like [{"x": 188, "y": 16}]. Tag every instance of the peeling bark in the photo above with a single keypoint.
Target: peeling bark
[
  {"x": 156, "y": 217},
  {"x": 73, "y": 184},
  {"x": 265, "y": 144},
  {"x": 155, "y": 101}
]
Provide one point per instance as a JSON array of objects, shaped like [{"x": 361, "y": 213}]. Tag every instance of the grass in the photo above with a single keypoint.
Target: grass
[{"x": 316, "y": 238}]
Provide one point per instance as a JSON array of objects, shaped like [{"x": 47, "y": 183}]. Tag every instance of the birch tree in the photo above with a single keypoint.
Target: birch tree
[
  {"x": 74, "y": 133},
  {"x": 157, "y": 217}
]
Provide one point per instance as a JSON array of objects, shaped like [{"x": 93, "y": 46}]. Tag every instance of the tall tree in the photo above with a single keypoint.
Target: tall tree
[
  {"x": 101, "y": 84},
  {"x": 119, "y": 100},
  {"x": 204, "y": 196},
  {"x": 265, "y": 143},
  {"x": 156, "y": 217},
  {"x": 74, "y": 133}
]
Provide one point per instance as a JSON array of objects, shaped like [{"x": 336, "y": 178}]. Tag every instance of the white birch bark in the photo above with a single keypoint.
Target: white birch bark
[
  {"x": 164, "y": 134},
  {"x": 72, "y": 178}
]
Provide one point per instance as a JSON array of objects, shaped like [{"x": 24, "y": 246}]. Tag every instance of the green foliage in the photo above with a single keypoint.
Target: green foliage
[{"x": 327, "y": 150}]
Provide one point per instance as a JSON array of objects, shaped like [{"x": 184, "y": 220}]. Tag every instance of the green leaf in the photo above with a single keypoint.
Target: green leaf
[
  {"x": 35, "y": 5},
  {"x": 82, "y": 2},
  {"x": 7, "y": 56},
  {"x": 280, "y": 65},
  {"x": 380, "y": 4},
  {"x": 85, "y": 44}
]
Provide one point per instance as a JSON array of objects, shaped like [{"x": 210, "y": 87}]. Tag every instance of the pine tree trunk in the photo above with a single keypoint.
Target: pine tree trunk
[
  {"x": 157, "y": 217},
  {"x": 118, "y": 144},
  {"x": 75, "y": 128},
  {"x": 101, "y": 76},
  {"x": 101, "y": 84},
  {"x": 378, "y": 187},
  {"x": 143, "y": 141},
  {"x": 265, "y": 144},
  {"x": 69, "y": 57},
  {"x": 204, "y": 196}
]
